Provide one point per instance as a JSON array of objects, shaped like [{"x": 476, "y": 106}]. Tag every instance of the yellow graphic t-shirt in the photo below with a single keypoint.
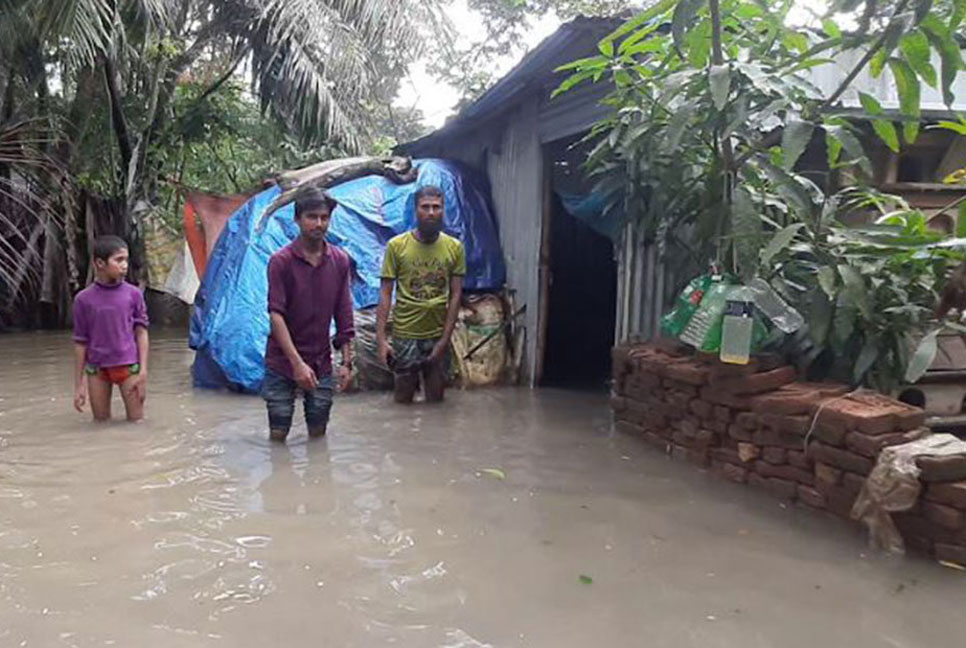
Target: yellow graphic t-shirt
[{"x": 422, "y": 273}]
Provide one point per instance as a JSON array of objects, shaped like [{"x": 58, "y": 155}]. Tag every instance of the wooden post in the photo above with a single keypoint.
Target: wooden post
[{"x": 544, "y": 266}]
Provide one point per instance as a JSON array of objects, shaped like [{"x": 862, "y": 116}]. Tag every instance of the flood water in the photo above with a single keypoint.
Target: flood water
[{"x": 190, "y": 529}]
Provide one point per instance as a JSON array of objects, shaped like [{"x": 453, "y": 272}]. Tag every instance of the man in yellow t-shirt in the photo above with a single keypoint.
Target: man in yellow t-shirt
[{"x": 426, "y": 267}]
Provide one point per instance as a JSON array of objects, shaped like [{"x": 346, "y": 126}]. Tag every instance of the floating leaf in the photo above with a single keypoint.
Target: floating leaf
[
  {"x": 586, "y": 580},
  {"x": 493, "y": 472}
]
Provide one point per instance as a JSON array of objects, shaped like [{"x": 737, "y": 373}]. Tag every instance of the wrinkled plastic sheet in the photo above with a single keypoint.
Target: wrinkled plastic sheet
[
  {"x": 230, "y": 324},
  {"x": 893, "y": 486}
]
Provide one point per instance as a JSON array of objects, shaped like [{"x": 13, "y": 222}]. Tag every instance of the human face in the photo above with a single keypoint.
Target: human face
[
  {"x": 114, "y": 269},
  {"x": 429, "y": 216},
  {"x": 314, "y": 223}
]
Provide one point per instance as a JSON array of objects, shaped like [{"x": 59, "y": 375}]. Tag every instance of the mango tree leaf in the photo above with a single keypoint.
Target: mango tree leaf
[
  {"x": 833, "y": 148},
  {"x": 720, "y": 80},
  {"x": 915, "y": 47},
  {"x": 746, "y": 228},
  {"x": 867, "y": 358},
  {"x": 877, "y": 63},
  {"x": 843, "y": 321},
  {"x": 683, "y": 19},
  {"x": 795, "y": 139},
  {"x": 961, "y": 221},
  {"x": 870, "y": 104},
  {"x": 779, "y": 242},
  {"x": 923, "y": 357},
  {"x": 831, "y": 28},
  {"x": 853, "y": 147},
  {"x": 887, "y": 132},
  {"x": 820, "y": 317},
  {"x": 826, "y": 279},
  {"x": 951, "y": 58},
  {"x": 606, "y": 47},
  {"x": 907, "y": 84}
]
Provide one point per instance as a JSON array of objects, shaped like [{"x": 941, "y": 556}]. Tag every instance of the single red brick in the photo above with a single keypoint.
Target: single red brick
[
  {"x": 719, "y": 426},
  {"x": 944, "y": 516},
  {"x": 838, "y": 500},
  {"x": 678, "y": 402},
  {"x": 799, "y": 459},
  {"x": 870, "y": 446},
  {"x": 701, "y": 409},
  {"x": 952, "y": 494},
  {"x": 787, "y": 400},
  {"x": 689, "y": 426},
  {"x": 725, "y": 455},
  {"x": 748, "y": 452},
  {"x": 704, "y": 439},
  {"x": 831, "y": 431},
  {"x": 772, "y": 437},
  {"x": 811, "y": 497},
  {"x": 655, "y": 440},
  {"x": 913, "y": 525},
  {"x": 618, "y": 403},
  {"x": 798, "y": 425},
  {"x": 679, "y": 452},
  {"x": 722, "y": 413},
  {"x": 738, "y": 433},
  {"x": 911, "y": 419},
  {"x": 840, "y": 458},
  {"x": 951, "y": 468},
  {"x": 781, "y": 488},
  {"x": 852, "y": 482},
  {"x": 758, "y": 383},
  {"x": 628, "y": 428},
  {"x": 826, "y": 475},
  {"x": 728, "y": 399},
  {"x": 699, "y": 457},
  {"x": 774, "y": 455},
  {"x": 747, "y": 420},
  {"x": 680, "y": 387},
  {"x": 734, "y": 473},
  {"x": 953, "y": 553},
  {"x": 682, "y": 438},
  {"x": 689, "y": 373},
  {"x": 785, "y": 472}
]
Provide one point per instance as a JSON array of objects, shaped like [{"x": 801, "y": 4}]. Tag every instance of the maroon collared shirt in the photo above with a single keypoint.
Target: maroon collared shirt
[{"x": 308, "y": 297}]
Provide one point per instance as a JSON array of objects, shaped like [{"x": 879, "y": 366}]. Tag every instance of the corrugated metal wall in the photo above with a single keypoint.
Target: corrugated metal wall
[
  {"x": 515, "y": 169},
  {"x": 644, "y": 287}
]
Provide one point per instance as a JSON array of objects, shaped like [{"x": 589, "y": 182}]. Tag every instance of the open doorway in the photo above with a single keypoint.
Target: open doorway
[{"x": 582, "y": 286}]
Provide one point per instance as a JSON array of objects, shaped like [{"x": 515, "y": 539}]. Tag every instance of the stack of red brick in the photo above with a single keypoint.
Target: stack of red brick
[{"x": 750, "y": 424}]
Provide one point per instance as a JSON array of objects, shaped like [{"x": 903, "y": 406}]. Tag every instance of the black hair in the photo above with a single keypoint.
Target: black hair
[
  {"x": 313, "y": 198},
  {"x": 106, "y": 246},
  {"x": 428, "y": 191}
]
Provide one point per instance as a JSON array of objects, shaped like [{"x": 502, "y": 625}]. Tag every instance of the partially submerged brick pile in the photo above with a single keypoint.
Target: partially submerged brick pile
[{"x": 749, "y": 424}]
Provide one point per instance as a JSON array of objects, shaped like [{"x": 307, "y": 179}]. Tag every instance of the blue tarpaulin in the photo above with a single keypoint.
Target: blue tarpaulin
[{"x": 230, "y": 325}]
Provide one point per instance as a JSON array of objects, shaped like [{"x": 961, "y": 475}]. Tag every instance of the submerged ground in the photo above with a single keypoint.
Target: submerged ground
[{"x": 503, "y": 518}]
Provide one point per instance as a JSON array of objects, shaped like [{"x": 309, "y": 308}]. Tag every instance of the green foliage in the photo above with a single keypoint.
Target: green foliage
[{"x": 702, "y": 146}]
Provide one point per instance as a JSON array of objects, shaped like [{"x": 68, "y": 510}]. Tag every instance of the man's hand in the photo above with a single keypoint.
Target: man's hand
[
  {"x": 439, "y": 351},
  {"x": 343, "y": 375},
  {"x": 80, "y": 397},
  {"x": 305, "y": 377},
  {"x": 140, "y": 386},
  {"x": 385, "y": 352}
]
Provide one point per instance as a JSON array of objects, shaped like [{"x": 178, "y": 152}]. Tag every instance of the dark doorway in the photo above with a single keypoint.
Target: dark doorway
[{"x": 581, "y": 308}]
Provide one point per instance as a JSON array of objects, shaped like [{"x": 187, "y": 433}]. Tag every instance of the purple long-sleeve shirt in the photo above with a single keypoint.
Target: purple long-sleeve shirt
[
  {"x": 308, "y": 297},
  {"x": 105, "y": 316}
]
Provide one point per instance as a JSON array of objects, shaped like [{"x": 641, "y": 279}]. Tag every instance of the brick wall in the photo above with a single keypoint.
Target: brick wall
[{"x": 749, "y": 424}]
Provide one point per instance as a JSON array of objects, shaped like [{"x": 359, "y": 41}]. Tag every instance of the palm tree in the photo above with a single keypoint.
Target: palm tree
[{"x": 86, "y": 70}]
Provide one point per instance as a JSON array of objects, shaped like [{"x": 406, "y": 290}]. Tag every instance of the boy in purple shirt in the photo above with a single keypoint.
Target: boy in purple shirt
[
  {"x": 110, "y": 336},
  {"x": 308, "y": 285}
]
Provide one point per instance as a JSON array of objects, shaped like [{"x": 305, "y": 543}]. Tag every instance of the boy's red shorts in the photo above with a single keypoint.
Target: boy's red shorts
[{"x": 116, "y": 375}]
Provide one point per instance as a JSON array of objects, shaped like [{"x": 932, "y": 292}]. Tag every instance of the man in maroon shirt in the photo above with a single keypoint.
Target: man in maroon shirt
[{"x": 308, "y": 285}]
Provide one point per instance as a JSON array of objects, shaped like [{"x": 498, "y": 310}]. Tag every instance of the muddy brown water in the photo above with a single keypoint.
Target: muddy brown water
[{"x": 190, "y": 529}]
